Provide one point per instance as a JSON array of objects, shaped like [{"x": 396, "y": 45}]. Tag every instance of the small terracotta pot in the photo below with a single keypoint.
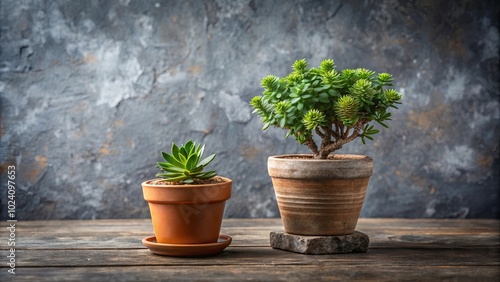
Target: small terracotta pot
[
  {"x": 187, "y": 214},
  {"x": 320, "y": 197}
]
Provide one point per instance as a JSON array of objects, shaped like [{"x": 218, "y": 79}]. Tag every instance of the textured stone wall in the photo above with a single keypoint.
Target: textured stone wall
[{"x": 92, "y": 91}]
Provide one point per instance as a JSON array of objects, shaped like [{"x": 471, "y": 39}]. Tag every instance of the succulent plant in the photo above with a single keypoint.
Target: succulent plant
[
  {"x": 184, "y": 163},
  {"x": 336, "y": 105}
]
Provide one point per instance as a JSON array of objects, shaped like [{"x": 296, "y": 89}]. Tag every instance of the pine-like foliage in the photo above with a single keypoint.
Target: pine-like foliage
[{"x": 336, "y": 105}]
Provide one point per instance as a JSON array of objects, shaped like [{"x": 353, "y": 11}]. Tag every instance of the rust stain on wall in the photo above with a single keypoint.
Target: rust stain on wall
[
  {"x": 89, "y": 58},
  {"x": 105, "y": 149},
  {"x": 437, "y": 116},
  {"x": 249, "y": 152},
  {"x": 485, "y": 160},
  {"x": 195, "y": 69},
  {"x": 37, "y": 169}
]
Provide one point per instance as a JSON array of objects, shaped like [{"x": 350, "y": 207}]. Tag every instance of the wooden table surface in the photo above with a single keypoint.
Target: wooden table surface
[{"x": 111, "y": 250}]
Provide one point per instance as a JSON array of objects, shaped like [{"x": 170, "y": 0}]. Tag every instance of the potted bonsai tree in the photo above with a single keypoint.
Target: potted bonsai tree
[
  {"x": 186, "y": 204},
  {"x": 323, "y": 193}
]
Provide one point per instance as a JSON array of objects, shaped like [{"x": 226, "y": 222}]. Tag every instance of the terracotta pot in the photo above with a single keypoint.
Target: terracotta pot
[
  {"x": 187, "y": 214},
  {"x": 320, "y": 197}
]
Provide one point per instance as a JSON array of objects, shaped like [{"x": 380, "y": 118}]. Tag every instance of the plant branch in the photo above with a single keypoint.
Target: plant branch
[
  {"x": 325, "y": 141},
  {"x": 340, "y": 142},
  {"x": 346, "y": 133},
  {"x": 327, "y": 136},
  {"x": 321, "y": 134},
  {"x": 312, "y": 146},
  {"x": 341, "y": 132},
  {"x": 335, "y": 133}
]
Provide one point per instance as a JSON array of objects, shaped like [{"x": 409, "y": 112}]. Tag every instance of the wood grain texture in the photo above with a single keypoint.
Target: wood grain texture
[
  {"x": 289, "y": 273},
  {"x": 400, "y": 249}
]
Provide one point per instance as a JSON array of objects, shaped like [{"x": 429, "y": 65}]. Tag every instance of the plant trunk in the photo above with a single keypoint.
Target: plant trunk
[
  {"x": 327, "y": 146},
  {"x": 322, "y": 154}
]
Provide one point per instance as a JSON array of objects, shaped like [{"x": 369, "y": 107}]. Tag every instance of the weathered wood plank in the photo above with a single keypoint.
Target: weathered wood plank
[
  {"x": 116, "y": 241},
  {"x": 130, "y": 225},
  {"x": 384, "y": 233},
  {"x": 258, "y": 256},
  {"x": 257, "y": 273},
  {"x": 258, "y": 239},
  {"x": 364, "y": 224},
  {"x": 417, "y": 223},
  {"x": 400, "y": 249}
]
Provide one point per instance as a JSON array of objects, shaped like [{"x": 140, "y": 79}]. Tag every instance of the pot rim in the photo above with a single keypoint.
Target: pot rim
[
  {"x": 293, "y": 157},
  {"x": 226, "y": 180},
  {"x": 289, "y": 166},
  {"x": 189, "y": 193}
]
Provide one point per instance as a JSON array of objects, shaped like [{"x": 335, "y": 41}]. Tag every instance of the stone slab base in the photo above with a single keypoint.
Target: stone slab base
[{"x": 356, "y": 242}]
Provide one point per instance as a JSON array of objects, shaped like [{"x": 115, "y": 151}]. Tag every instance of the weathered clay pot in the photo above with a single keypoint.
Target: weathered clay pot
[
  {"x": 187, "y": 214},
  {"x": 320, "y": 197}
]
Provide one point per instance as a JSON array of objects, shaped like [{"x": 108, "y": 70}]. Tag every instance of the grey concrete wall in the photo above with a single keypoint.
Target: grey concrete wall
[{"x": 92, "y": 91}]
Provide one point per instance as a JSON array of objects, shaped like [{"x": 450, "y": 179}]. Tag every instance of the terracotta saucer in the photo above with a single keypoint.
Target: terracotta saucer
[{"x": 187, "y": 250}]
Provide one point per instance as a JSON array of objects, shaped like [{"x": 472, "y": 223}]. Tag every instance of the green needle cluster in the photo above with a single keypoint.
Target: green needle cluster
[
  {"x": 313, "y": 118},
  {"x": 346, "y": 109}
]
